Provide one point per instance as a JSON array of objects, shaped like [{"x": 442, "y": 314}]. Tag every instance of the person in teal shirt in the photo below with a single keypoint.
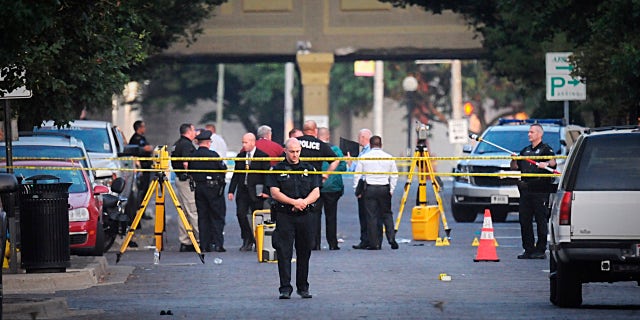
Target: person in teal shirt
[{"x": 330, "y": 192}]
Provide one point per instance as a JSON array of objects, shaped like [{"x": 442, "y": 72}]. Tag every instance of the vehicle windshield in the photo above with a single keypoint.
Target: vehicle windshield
[
  {"x": 40, "y": 152},
  {"x": 514, "y": 141},
  {"x": 609, "y": 163},
  {"x": 94, "y": 139},
  {"x": 66, "y": 174}
]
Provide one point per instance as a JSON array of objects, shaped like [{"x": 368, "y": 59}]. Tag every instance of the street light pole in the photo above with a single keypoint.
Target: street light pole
[{"x": 409, "y": 85}]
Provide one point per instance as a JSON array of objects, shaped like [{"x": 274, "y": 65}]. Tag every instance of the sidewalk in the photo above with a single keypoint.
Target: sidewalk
[{"x": 85, "y": 272}]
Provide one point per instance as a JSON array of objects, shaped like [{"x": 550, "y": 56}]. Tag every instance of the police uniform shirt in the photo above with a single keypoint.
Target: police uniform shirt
[
  {"x": 297, "y": 184},
  {"x": 535, "y": 183},
  {"x": 313, "y": 147},
  {"x": 203, "y": 152},
  {"x": 182, "y": 148},
  {"x": 140, "y": 141}
]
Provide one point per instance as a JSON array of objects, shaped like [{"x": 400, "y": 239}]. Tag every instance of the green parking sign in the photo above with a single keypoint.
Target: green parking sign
[{"x": 561, "y": 86}]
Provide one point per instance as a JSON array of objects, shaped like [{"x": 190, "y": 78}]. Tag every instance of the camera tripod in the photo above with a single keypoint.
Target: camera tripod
[
  {"x": 159, "y": 184},
  {"x": 420, "y": 160}
]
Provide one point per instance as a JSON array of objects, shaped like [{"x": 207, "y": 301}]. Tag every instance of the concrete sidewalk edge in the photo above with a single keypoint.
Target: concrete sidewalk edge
[{"x": 85, "y": 273}]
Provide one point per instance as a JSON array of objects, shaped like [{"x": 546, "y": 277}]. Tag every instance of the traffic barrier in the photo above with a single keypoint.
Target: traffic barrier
[{"x": 487, "y": 248}]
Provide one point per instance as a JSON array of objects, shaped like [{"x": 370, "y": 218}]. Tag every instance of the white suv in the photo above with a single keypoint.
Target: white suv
[
  {"x": 595, "y": 217},
  {"x": 105, "y": 146}
]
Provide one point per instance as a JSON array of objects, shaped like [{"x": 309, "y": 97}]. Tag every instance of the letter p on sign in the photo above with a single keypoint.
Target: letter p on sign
[{"x": 556, "y": 82}]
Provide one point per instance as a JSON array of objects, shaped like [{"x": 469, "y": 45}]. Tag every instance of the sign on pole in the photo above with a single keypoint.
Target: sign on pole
[
  {"x": 458, "y": 131},
  {"x": 561, "y": 86},
  {"x": 19, "y": 93},
  {"x": 364, "y": 68}
]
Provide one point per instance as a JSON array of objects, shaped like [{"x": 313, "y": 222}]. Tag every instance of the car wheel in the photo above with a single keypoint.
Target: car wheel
[
  {"x": 553, "y": 280},
  {"x": 568, "y": 291},
  {"x": 98, "y": 249},
  {"x": 110, "y": 232},
  {"x": 463, "y": 214},
  {"x": 499, "y": 213}
]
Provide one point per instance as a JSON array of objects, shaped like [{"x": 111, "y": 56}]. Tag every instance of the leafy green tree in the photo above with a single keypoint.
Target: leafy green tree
[
  {"x": 602, "y": 35},
  {"x": 76, "y": 54}
]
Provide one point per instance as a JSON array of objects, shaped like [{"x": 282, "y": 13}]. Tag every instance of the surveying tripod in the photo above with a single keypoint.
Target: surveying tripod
[
  {"x": 159, "y": 184},
  {"x": 422, "y": 162}
]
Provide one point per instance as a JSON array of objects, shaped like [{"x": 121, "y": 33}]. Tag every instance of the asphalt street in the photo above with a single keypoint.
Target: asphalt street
[{"x": 346, "y": 284}]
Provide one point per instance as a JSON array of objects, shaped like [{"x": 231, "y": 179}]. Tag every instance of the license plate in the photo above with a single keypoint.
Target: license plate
[{"x": 499, "y": 199}]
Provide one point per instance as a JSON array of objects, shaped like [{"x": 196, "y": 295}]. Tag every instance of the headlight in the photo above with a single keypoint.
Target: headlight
[
  {"x": 462, "y": 169},
  {"x": 80, "y": 214}
]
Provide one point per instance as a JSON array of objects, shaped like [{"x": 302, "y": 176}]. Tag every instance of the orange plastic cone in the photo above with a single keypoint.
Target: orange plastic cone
[{"x": 487, "y": 247}]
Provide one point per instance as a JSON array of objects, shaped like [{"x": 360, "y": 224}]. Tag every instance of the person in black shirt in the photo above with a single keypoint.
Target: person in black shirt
[
  {"x": 144, "y": 150},
  {"x": 534, "y": 192},
  {"x": 184, "y": 148},
  {"x": 209, "y": 194},
  {"x": 314, "y": 147},
  {"x": 295, "y": 193}
]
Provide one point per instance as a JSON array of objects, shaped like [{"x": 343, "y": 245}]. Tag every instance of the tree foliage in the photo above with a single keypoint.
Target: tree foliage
[
  {"x": 602, "y": 34},
  {"x": 76, "y": 54}
]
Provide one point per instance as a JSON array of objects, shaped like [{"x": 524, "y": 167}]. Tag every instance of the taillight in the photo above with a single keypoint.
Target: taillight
[{"x": 565, "y": 209}]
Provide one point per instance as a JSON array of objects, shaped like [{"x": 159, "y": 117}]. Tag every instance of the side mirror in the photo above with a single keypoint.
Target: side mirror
[
  {"x": 100, "y": 189},
  {"x": 467, "y": 148},
  {"x": 117, "y": 185}
]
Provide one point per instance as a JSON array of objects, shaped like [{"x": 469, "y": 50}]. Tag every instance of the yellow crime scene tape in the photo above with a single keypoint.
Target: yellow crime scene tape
[{"x": 403, "y": 161}]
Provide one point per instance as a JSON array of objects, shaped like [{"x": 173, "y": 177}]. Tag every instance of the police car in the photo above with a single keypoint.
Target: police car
[{"x": 473, "y": 194}]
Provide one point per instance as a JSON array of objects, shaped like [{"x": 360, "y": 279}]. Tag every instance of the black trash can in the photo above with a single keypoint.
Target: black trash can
[{"x": 44, "y": 224}]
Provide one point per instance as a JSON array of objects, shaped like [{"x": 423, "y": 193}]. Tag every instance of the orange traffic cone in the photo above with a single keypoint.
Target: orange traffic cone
[{"x": 487, "y": 247}]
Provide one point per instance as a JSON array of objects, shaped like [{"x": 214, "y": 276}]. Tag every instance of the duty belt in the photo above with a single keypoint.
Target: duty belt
[{"x": 209, "y": 183}]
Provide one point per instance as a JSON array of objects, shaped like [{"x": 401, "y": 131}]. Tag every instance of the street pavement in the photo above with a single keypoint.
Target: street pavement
[{"x": 346, "y": 284}]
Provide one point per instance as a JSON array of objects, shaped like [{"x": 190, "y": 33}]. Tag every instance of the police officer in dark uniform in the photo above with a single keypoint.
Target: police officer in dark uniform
[
  {"x": 295, "y": 193},
  {"x": 144, "y": 150},
  {"x": 534, "y": 193},
  {"x": 314, "y": 147},
  {"x": 209, "y": 190}
]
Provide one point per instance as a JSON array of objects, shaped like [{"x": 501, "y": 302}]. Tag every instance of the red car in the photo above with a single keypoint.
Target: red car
[{"x": 86, "y": 234}]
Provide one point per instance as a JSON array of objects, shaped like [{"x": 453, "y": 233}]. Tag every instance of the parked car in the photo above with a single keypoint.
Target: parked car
[
  {"x": 594, "y": 226},
  {"x": 54, "y": 147},
  {"x": 106, "y": 148},
  {"x": 86, "y": 233},
  {"x": 473, "y": 194}
]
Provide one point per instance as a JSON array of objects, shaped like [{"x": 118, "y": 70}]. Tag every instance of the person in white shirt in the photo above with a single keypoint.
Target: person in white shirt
[
  {"x": 377, "y": 196},
  {"x": 217, "y": 142}
]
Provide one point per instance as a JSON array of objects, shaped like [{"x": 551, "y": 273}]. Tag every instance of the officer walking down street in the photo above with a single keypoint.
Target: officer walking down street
[
  {"x": 295, "y": 193},
  {"x": 534, "y": 193},
  {"x": 312, "y": 147},
  {"x": 184, "y": 148},
  {"x": 377, "y": 196},
  {"x": 248, "y": 187},
  {"x": 209, "y": 194}
]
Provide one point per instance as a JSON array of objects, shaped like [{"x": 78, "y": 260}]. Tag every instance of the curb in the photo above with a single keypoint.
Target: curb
[
  {"x": 86, "y": 272},
  {"x": 88, "y": 275}
]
